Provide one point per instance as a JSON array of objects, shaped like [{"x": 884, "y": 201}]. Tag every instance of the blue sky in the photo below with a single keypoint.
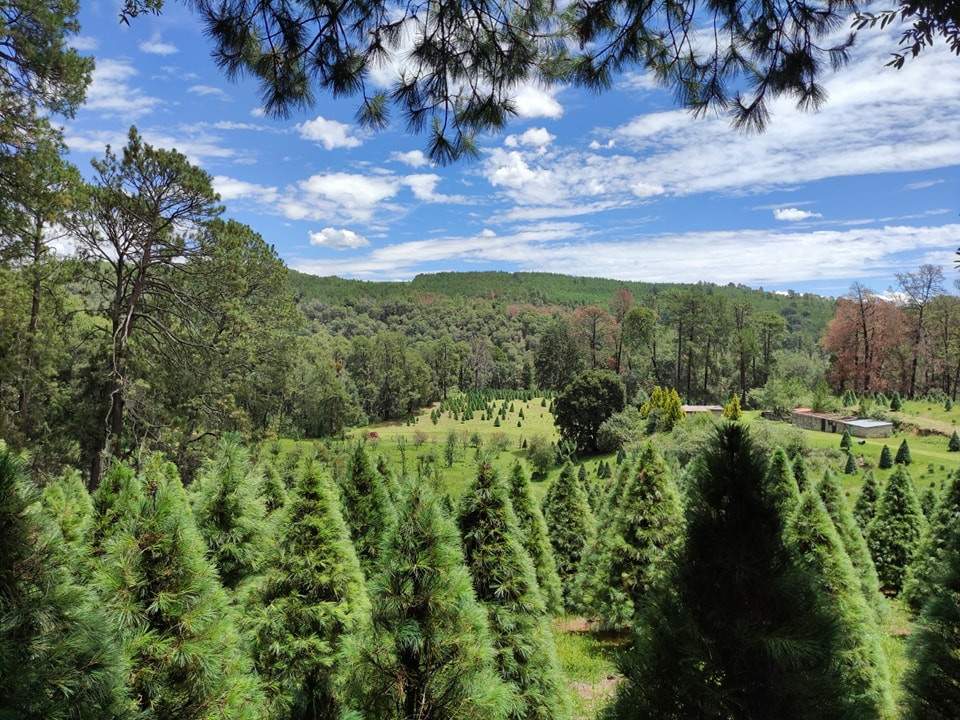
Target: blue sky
[{"x": 621, "y": 185}]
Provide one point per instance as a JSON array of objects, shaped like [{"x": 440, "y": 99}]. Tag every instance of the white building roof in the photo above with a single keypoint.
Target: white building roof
[{"x": 865, "y": 423}]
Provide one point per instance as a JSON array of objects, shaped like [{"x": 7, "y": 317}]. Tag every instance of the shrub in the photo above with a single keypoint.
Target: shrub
[
  {"x": 732, "y": 410},
  {"x": 620, "y": 429},
  {"x": 663, "y": 410}
]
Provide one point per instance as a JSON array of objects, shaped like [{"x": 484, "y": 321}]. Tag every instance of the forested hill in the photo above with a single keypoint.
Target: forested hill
[{"x": 806, "y": 314}]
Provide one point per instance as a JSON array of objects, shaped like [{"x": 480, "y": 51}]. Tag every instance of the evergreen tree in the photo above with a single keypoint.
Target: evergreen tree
[
  {"x": 933, "y": 680},
  {"x": 903, "y": 454},
  {"x": 800, "y": 472},
  {"x": 886, "y": 460},
  {"x": 629, "y": 555},
  {"x": 113, "y": 501},
  {"x": 273, "y": 490},
  {"x": 732, "y": 411},
  {"x": 67, "y": 504},
  {"x": 895, "y": 402},
  {"x": 535, "y": 539},
  {"x": 58, "y": 657},
  {"x": 919, "y": 584},
  {"x": 737, "y": 629},
  {"x": 954, "y": 444},
  {"x": 311, "y": 597},
  {"x": 850, "y": 468},
  {"x": 427, "y": 652},
  {"x": 928, "y": 501},
  {"x": 505, "y": 582},
  {"x": 862, "y": 668},
  {"x": 854, "y": 544},
  {"x": 229, "y": 513},
  {"x": 866, "y": 505},
  {"x": 367, "y": 507},
  {"x": 781, "y": 483},
  {"x": 845, "y": 441},
  {"x": 570, "y": 524},
  {"x": 177, "y": 624},
  {"x": 894, "y": 533}
]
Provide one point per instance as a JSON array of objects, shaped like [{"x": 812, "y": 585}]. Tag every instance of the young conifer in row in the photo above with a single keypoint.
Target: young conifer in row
[
  {"x": 737, "y": 629},
  {"x": 229, "y": 513},
  {"x": 894, "y": 533},
  {"x": 933, "y": 681},
  {"x": 311, "y": 597},
  {"x": 866, "y": 505},
  {"x": 800, "y": 472},
  {"x": 903, "y": 454},
  {"x": 854, "y": 544},
  {"x": 68, "y": 505},
  {"x": 629, "y": 555},
  {"x": 921, "y": 577},
  {"x": 570, "y": 524},
  {"x": 427, "y": 652},
  {"x": 928, "y": 501},
  {"x": 505, "y": 582},
  {"x": 272, "y": 490},
  {"x": 367, "y": 507},
  {"x": 886, "y": 459},
  {"x": 861, "y": 666},
  {"x": 187, "y": 660},
  {"x": 58, "y": 656},
  {"x": 536, "y": 541}
]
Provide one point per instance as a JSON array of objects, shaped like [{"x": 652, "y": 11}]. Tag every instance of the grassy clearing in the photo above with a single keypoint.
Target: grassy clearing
[{"x": 588, "y": 660}]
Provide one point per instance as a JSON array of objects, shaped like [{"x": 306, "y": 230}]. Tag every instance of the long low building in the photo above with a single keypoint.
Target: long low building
[{"x": 837, "y": 423}]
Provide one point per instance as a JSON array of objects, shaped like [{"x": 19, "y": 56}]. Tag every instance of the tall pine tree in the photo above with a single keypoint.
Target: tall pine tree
[
  {"x": 427, "y": 653},
  {"x": 367, "y": 507},
  {"x": 894, "y": 533},
  {"x": 866, "y": 505},
  {"x": 854, "y": 544},
  {"x": 862, "y": 667},
  {"x": 629, "y": 554},
  {"x": 800, "y": 472},
  {"x": 311, "y": 597},
  {"x": 187, "y": 661},
  {"x": 737, "y": 629},
  {"x": 570, "y": 524},
  {"x": 922, "y": 573},
  {"x": 229, "y": 512},
  {"x": 59, "y": 659},
  {"x": 505, "y": 582},
  {"x": 536, "y": 541}
]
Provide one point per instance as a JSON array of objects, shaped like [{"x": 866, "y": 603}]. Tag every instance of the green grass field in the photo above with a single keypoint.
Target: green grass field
[{"x": 589, "y": 658}]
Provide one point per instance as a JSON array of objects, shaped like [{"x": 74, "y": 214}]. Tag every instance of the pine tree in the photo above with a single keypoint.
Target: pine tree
[
  {"x": 845, "y": 441},
  {"x": 933, "y": 680},
  {"x": 928, "y": 501},
  {"x": 903, "y": 454},
  {"x": 505, "y": 582},
  {"x": 535, "y": 539},
  {"x": 58, "y": 657},
  {"x": 781, "y": 483},
  {"x": 895, "y": 402},
  {"x": 67, "y": 504},
  {"x": 886, "y": 461},
  {"x": 732, "y": 410},
  {"x": 862, "y": 667},
  {"x": 570, "y": 524},
  {"x": 954, "y": 444},
  {"x": 854, "y": 544},
  {"x": 894, "y": 533},
  {"x": 114, "y": 502},
  {"x": 229, "y": 514},
  {"x": 273, "y": 490},
  {"x": 866, "y": 505},
  {"x": 178, "y": 627},
  {"x": 737, "y": 629},
  {"x": 628, "y": 557},
  {"x": 850, "y": 468},
  {"x": 367, "y": 507},
  {"x": 311, "y": 597},
  {"x": 919, "y": 584},
  {"x": 800, "y": 472},
  {"x": 427, "y": 653},
  {"x": 621, "y": 456}
]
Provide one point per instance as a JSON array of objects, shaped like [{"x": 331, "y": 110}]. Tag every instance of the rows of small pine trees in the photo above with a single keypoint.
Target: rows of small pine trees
[{"x": 272, "y": 589}]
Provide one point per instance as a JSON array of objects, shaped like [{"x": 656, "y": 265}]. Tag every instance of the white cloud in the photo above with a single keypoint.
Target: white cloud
[
  {"x": 233, "y": 189},
  {"x": 258, "y": 112},
  {"x": 921, "y": 184},
  {"x": 755, "y": 257},
  {"x": 83, "y": 43},
  {"x": 199, "y": 147},
  {"x": 645, "y": 189},
  {"x": 413, "y": 158},
  {"x": 208, "y": 91},
  {"x": 156, "y": 46},
  {"x": 634, "y": 81},
  {"x": 792, "y": 214},
  {"x": 339, "y": 195},
  {"x": 537, "y": 137},
  {"x": 329, "y": 133},
  {"x": 531, "y": 101},
  {"x": 339, "y": 239},
  {"x": 609, "y": 144},
  {"x": 110, "y": 92},
  {"x": 424, "y": 187}
]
